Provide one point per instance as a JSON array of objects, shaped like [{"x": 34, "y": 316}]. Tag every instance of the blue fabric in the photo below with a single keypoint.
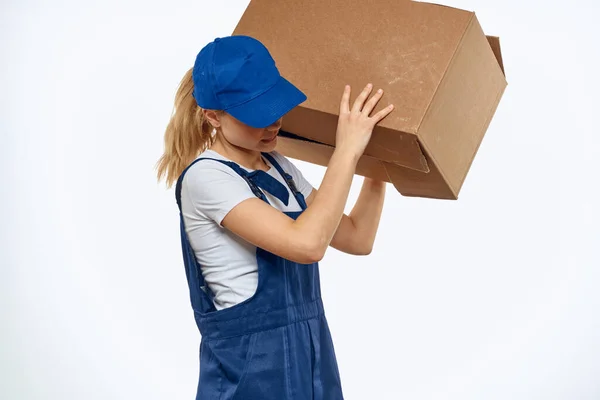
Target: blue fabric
[
  {"x": 237, "y": 74},
  {"x": 275, "y": 345}
]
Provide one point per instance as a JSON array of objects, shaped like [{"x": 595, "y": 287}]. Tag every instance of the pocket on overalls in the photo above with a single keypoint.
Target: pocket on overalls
[
  {"x": 266, "y": 373},
  {"x": 223, "y": 363}
]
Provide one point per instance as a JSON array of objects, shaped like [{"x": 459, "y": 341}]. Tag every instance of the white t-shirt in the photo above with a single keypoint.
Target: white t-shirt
[{"x": 210, "y": 189}]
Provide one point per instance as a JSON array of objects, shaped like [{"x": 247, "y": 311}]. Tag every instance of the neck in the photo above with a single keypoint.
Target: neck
[{"x": 251, "y": 159}]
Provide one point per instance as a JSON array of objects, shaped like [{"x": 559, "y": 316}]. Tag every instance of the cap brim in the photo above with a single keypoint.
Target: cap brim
[{"x": 270, "y": 106}]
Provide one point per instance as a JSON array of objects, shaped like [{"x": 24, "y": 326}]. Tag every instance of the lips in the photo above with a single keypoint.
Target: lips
[{"x": 269, "y": 139}]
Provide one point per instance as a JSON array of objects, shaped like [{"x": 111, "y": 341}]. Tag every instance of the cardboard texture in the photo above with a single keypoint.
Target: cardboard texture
[{"x": 444, "y": 76}]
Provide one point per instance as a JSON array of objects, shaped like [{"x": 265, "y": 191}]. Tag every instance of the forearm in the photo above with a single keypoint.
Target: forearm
[
  {"x": 366, "y": 213},
  {"x": 322, "y": 218}
]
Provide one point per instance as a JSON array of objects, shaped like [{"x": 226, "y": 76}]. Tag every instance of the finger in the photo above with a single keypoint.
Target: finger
[
  {"x": 345, "y": 102},
  {"x": 360, "y": 100},
  {"x": 383, "y": 113},
  {"x": 370, "y": 105}
]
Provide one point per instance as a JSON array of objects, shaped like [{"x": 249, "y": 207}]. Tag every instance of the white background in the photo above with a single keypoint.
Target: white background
[{"x": 493, "y": 296}]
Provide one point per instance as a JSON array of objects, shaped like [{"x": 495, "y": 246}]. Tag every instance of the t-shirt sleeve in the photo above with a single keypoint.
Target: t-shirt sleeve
[
  {"x": 288, "y": 166},
  {"x": 214, "y": 189}
]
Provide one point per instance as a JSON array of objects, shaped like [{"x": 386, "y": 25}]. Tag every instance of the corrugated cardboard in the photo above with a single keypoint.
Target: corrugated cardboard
[{"x": 435, "y": 64}]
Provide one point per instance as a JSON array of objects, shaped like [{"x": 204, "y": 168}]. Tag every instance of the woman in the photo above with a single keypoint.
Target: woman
[{"x": 253, "y": 229}]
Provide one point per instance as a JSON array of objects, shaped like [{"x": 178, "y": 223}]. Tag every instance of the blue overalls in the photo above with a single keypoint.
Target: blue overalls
[{"x": 275, "y": 345}]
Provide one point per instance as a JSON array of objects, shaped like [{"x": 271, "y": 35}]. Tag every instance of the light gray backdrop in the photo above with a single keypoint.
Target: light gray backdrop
[{"x": 494, "y": 296}]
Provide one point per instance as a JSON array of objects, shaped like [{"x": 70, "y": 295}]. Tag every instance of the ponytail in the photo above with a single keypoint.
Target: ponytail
[{"x": 187, "y": 134}]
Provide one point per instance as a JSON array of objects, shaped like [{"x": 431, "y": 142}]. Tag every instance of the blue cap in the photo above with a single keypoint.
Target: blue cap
[{"x": 237, "y": 74}]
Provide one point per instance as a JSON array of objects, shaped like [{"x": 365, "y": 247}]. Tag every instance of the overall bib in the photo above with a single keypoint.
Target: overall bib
[{"x": 275, "y": 345}]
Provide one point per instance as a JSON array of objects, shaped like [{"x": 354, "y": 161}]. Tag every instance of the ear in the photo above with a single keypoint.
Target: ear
[{"x": 212, "y": 117}]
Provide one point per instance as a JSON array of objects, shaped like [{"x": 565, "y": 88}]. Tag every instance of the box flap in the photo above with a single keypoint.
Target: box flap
[
  {"x": 406, "y": 181},
  {"x": 417, "y": 184},
  {"x": 494, "y": 42},
  {"x": 387, "y": 145},
  {"x": 317, "y": 153}
]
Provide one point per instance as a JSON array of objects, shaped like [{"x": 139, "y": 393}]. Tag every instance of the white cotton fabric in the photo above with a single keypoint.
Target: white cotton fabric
[{"x": 209, "y": 191}]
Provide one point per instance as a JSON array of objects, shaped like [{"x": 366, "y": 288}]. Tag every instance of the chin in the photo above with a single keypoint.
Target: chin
[{"x": 268, "y": 146}]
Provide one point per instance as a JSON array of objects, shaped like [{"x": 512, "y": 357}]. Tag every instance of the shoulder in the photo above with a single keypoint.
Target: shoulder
[
  {"x": 210, "y": 180},
  {"x": 206, "y": 169},
  {"x": 211, "y": 188}
]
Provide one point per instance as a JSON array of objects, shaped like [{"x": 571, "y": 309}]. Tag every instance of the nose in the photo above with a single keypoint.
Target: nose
[{"x": 275, "y": 125}]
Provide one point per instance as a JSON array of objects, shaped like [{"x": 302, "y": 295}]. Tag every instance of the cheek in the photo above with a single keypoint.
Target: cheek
[{"x": 249, "y": 139}]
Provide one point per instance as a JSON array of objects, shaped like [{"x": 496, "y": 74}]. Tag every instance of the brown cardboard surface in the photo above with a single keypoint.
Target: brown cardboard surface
[
  {"x": 320, "y": 154},
  {"x": 462, "y": 107},
  {"x": 401, "y": 46},
  {"x": 407, "y": 181},
  {"x": 435, "y": 64},
  {"x": 321, "y": 126},
  {"x": 494, "y": 42}
]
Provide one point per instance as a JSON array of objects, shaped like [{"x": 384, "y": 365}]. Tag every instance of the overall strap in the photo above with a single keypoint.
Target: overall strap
[
  {"x": 232, "y": 165},
  {"x": 203, "y": 299},
  {"x": 254, "y": 179},
  {"x": 288, "y": 179}
]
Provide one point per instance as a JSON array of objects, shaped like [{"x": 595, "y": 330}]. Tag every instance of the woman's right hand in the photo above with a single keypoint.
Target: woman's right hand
[{"x": 354, "y": 124}]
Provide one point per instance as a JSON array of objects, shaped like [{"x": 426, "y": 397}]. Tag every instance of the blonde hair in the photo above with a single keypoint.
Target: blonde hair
[{"x": 187, "y": 135}]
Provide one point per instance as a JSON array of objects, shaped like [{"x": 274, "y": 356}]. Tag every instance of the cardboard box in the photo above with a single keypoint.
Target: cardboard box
[{"x": 435, "y": 64}]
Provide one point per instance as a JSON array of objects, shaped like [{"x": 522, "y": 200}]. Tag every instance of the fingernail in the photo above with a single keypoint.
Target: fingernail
[
  {"x": 369, "y": 86},
  {"x": 380, "y": 91}
]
